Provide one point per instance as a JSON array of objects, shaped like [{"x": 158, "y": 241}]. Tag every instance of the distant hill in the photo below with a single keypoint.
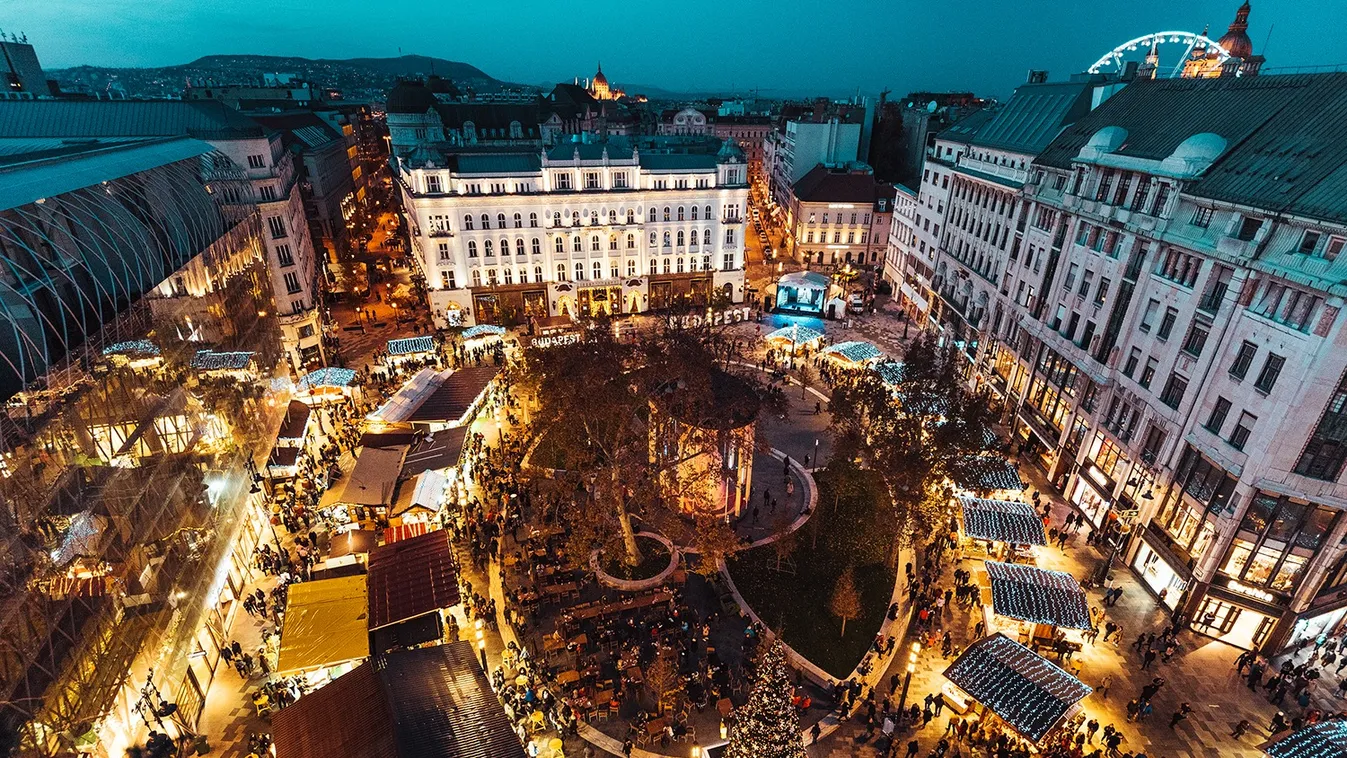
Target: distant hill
[{"x": 358, "y": 77}]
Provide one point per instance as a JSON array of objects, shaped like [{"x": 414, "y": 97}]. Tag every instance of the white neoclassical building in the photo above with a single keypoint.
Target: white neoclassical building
[{"x": 624, "y": 225}]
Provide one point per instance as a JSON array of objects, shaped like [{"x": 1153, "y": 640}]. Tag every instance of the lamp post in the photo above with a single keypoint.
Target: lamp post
[{"x": 907, "y": 678}]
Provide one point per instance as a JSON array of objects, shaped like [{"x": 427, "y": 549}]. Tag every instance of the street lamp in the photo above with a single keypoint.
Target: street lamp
[{"x": 907, "y": 678}]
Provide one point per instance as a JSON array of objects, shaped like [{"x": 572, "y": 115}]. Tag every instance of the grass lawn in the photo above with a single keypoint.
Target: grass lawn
[{"x": 796, "y": 604}]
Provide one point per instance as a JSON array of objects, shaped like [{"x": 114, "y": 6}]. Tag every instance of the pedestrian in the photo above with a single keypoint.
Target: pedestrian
[
  {"x": 1090, "y": 729},
  {"x": 1240, "y": 728},
  {"x": 912, "y": 748},
  {"x": 1104, "y": 685},
  {"x": 814, "y": 733},
  {"x": 1149, "y": 659},
  {"x": 939, "y": 705},
  {"x": 1180, "y": 715}
]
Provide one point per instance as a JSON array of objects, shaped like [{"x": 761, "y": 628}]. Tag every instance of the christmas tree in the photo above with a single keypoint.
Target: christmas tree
[{"x": 767, "y": 726}]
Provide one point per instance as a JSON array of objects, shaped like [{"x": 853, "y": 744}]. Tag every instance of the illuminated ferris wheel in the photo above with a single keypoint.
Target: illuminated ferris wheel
[{"x": 1165, "y": 45}]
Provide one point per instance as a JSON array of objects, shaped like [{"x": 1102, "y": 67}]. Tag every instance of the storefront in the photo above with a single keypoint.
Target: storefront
[
  {"x": 1160, "y": 575},
  {"x": 594, "y": 301},
  {"x": 1090, "y": 494},
  {"x": 1317, "y": 624},
  {"x": 1237, "y": 614}
]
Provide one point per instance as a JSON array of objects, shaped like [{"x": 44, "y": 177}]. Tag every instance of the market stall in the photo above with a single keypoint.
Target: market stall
[
  {"x": 1036, "y": 605},
  {"x": 238, "y": 365},
  {"x": 989, "y": 476},
  {"x": 799, "y": 336},
  {"x": 324, "y": 633},
  {"x": 1026, "y": 691},
  {"x": 890, "y": 372},
  {"x": 853, "y": 353},
  {"x": 1001, "y": 529},
  {"x": 326, "y": 385},
  {"x": 368, "y": 490},
  {"x": 409, "y": 349},
  {"x": 411, "y": 579},
  {"x": 437, "y": 400},
  {"x": 135, "y": 354},
  {"x": 483, "y": 334},
  {"x": 1325, "y": 739}
]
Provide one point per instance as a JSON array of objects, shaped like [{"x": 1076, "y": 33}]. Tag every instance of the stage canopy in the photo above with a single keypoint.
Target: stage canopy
[
  {"x": 1038, "y": 595},
  {"x": 1002, "y": 521},
  {"x": 324, "y": 625},
  {"x": 1028, "y": 692}
]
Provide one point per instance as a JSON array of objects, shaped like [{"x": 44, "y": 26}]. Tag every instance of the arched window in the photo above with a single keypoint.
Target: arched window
[
  {"x": 509, "y": 276},
  {"x": 504, "y": 247},
  {"x": 556, "y": 218},
  {"x": 561, "y": 244},
  {"x": 652, "y": 216},
  {"x": 612, "y": 242},
  {"x": 708, "y": 213},
  {"x": 680, "y": 265},
  {"x": 575, "y": 218},
  {"x": 486, "y": 221},
  {"x": 533, "y": 221},
  {"x": 666, "y": 213},
  {"x": 681, "y": 237},
  {"x": 594, "y": 243},
  {"x": 491, "y": 277},
  {"x": 631, "y": 216},
  {"x": 654, "y": 239},
  {"x": 467, "y": 222},
  {"x": 519, "y": 246},
  {"x": 537, "y": 274},
  {"x": 694, "y": 213},
  {"x": 561, "y": 272},
  {"x": 477, "y": 277},
  {"x": 631, "y": 267},
  {"x": 706, "y": 263},
  {"x": 579, "y": 271},
  {"x": 666, "y": 265},
  {"x": 472, "y": 249},
  {"x": 654, "y": 267},
  {"x": 518, "y": 221},
  {"x": 680, "y": 213},
  {"x": 593, "y": 218},
  {"x": 537, "y": 246},
  {"x": 612, "y": 217},
  {"x": 612, "y": 269},
  {"x": 500, "y": 220},
  {"x": 631, "y": 241},
  {"x": 598, "y": 269},
  {"x": 706, "y": 237},
  {"x": 577, "y": 245},
  {"x": 486, "y": 245},
  {"x": 666, "y": 238},
  {"x": 692, "y": 264}
]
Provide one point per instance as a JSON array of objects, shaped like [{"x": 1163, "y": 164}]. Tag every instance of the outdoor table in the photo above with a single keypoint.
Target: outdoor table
[
  {"x": 655, "y": 727},
  {"x": 634, "y": 674},
  {"x": 604, "y": 697},
  {"x": 552, "y": 644},
  {"x": 661, "y": 596},
  {"x": 570, "y": 676},
  {"x": 560, "y": 589},
  {"x": 581, "y": 640},
  {"x": 725, "y": 706}
]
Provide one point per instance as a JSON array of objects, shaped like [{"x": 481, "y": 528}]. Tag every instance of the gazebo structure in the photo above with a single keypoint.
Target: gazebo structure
[
  {"x": 1025, "y": 690},
  {"x": 1038, "y": 596},
  {"x": 1007, "y": 521},
  {"x": 803, "y": 292},
  {"x": 799, "y": 336},
  {"x": 1325, "y": 739},
  {"x": 853, "y": 353},
  {"x": 710, "y": 431}
]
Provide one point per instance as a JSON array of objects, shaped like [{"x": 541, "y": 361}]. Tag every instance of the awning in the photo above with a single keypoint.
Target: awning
[
  {"x": 406, "y": 531},
  {"x": 1002, "y": 521},
  {"x": 411, "y": 578},
  {"x": 1033, "y": 594},
  {"x": 1025, "y": 689},
  {"x": 296, "y": 421},
  {"x": 325, "y": 624}
]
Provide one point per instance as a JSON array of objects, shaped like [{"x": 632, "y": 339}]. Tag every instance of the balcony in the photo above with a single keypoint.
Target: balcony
[{"x": 440, "y": 233}]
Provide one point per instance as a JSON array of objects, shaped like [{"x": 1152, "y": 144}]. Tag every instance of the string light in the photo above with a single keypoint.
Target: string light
[
  {"x": 767, "y": 726},
  {"x": 1022, "y": 687},
  {"x": 1322, "y": 740},
  {"x": 1002, "y": 521},
  {"x": 1033, "y": 594}
]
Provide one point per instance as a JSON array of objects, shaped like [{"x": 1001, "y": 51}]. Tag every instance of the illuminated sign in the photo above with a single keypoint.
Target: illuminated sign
[
  {"x": 731, "y": 316},
  {"x": 1253, "y": 592},
  {"x": 841, "y": 205},
  {"x": 555, "y": 340}
]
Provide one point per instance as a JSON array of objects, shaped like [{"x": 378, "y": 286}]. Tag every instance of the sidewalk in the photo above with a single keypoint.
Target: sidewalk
[{"x": 1202, "y": 673}]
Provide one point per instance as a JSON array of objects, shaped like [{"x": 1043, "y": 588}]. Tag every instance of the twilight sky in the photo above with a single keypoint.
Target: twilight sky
[{"x": 783, "y": 47}]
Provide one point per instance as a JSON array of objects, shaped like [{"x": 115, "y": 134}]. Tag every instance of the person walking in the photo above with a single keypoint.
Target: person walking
[
  {"x": 1148, "y": 659},
  {"x": 1240, "y": 728},
  {"x": 1180, "y": 715}
]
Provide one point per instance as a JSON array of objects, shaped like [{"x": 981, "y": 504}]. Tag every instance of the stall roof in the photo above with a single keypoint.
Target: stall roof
[
  {"x": 329, "y": 376},
  {"x": 431, "y": 452},
  {"x": 1325, "y": 739},
  {"x": 348, "y": 717},
  {"x": 455, "y": 395},
  {"x": 410, "y": 578},
  {"x": 372, "y": 480},
  {"x": 325, "y": 624},
  {"x": 1033, "y": 594},
  {"x": 797, "y": 334},
  {"x": 425, "y": 491},
  {"x": 1002, "y": 521},
  {"x": 352, "y": 541},
  {"x": 1025, "y": 689},
  {"x": 408, "y": 397},
  {"x": 855, "y": 351},
  {"x": 295, "y": 422},
  {"x": 283, "y": 456},
  {"x": 483, "y": 330},
  {"x": 410, "y": 345},
  {"x": 389, "y": 438},
  {"x": 987, "y": 473},
  {"x": 209, "y": 360},
  {"x": 890, "y": 372}
]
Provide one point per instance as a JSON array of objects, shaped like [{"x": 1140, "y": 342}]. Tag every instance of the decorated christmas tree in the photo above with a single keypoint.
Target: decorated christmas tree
[{"x": 767, "y": 725}]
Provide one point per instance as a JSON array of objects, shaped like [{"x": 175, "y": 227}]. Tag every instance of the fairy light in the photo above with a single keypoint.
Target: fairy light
[
  {"x": 1002, "y": 521},
  {"x": 1038, "y": 595},
  {"x": 1322, "y": 740},
  {"x": 1022, "y": 687}
]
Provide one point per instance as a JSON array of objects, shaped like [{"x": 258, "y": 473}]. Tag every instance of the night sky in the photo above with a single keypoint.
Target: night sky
[{"x": 786, "y": 47}]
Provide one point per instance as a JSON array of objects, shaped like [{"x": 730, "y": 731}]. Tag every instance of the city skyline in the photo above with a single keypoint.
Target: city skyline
[{"x": 902, "y": 49}]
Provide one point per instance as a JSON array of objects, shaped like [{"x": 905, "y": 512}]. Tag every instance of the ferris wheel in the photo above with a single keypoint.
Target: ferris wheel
[{"x": 1166, "y": 44}]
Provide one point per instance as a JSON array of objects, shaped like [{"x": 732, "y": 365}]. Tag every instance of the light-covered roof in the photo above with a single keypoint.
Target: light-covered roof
[{"x": 855, "y": 351}]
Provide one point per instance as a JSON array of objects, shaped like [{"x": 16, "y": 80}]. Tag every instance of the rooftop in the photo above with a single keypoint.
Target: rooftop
[
  {"x": 830, "y": 185},
  {"x": 1035, "y": 114},
  {"x": 1026, "y": 690},
  {"x": 202, "y": 119}
]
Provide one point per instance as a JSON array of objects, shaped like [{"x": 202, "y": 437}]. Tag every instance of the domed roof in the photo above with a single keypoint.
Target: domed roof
[
  {"x": 599, "y": 78},
  {"x": 441, "y": 86},
  {"x": 410, "y": 97},
  {"x": 1236, "y": 40}
]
